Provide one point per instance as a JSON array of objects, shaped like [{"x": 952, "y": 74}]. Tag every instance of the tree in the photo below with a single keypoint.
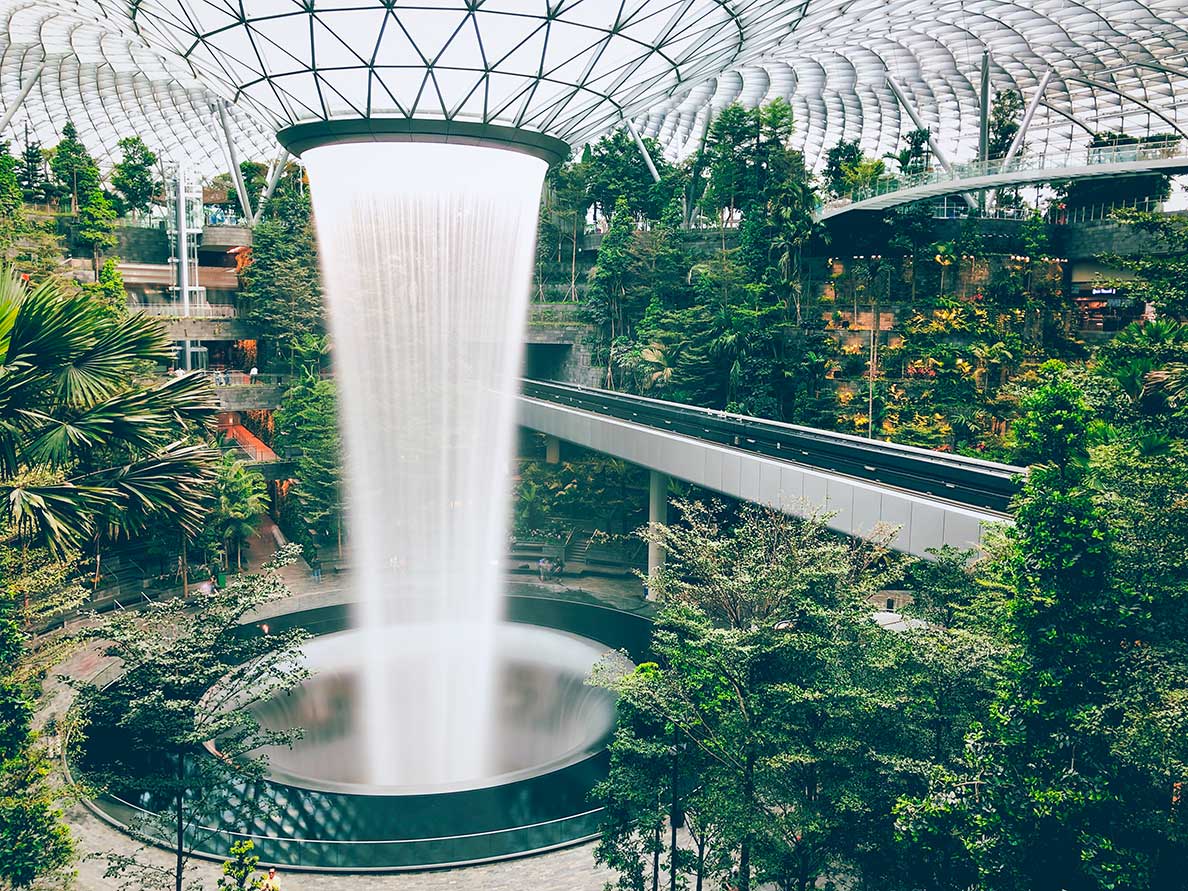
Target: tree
[
  {"x": 616, "y": 172},
  {"x": 1161, "y": 271},
  {"x": 281, "y": 287},
  {"x": 786, "y": 782},
  {"x": 1055, "y": 421},
  {"x": 191, "y": 673},
  {"x": 839, "y": 160},
  {"x": 108, "y": 290},
  {"x": 31, "y": 173},
  {"x": 132, "y": 176},
  {"x": 307, "y": 427},
  {"x": 239, "y": 873},
  {"x": 96, "y": 225},
  {"x": 34, "y": 840},
  {"x": 87, "y": 449},
  {"x": 241, "y": 500},
  {"x": 75, "y": 172},
  {"x": 1006, "y": 111}
]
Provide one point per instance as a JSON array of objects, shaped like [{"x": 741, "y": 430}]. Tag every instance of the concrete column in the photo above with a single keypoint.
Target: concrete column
[
  {"x": 657, "y": 513},
  {"x": 552, "y": 450}
]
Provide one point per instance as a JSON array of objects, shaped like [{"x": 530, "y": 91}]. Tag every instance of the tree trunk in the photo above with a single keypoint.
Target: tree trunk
[
  {"x": 180, "y": 862},
  {"x": 700, "y": 861},
  {"x": 672, "y": 814},
  {"x": 744, "y": 853},
  {"x": 98, "y": 576},
  {"x": 573, "y": 295},
  {"x": 185, "y": 572},
  {"x": 656, "y": 857}
]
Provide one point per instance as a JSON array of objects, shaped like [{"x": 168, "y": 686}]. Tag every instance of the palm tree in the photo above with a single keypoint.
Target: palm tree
[
  {"x": 89, "y": 450},
  {"x": 242, "y": 500}
]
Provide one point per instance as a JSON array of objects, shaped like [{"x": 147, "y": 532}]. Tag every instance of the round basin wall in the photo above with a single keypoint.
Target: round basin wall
[{"x": 314, "y": 817}]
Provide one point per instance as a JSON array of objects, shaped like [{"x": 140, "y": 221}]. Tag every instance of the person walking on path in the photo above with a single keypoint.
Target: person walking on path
[
  {"x": 272, "y": 883},
  {"x": 253, "y": 374}
]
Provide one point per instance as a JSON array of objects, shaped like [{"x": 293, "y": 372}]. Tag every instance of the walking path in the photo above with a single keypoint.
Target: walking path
[{"x": 569, "y": 869}]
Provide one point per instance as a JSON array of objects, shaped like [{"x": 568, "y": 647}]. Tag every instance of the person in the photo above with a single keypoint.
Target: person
[
  {"x": 316, "y": 566},
  {"x": 543, "y": 567},
  {"x": 272, "y": 883},
  {"x": 252, "y": 374}
]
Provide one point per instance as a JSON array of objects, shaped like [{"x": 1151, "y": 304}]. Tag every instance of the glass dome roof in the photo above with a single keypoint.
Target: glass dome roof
[{"x": 575, "y": 68}]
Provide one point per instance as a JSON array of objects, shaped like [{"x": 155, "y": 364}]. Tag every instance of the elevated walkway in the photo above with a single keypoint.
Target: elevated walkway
[
  {"x": 933, "y": 498},
  {"x": 1169, "y": 156}
]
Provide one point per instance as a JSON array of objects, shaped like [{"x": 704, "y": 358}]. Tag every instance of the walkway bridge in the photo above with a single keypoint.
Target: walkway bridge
[
  {"x": 934, "y": 498},
  {"x": 1163, "y": 156}
]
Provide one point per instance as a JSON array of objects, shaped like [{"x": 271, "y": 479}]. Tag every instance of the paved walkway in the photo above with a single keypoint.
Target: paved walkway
[{"x": 569, "y": 869}]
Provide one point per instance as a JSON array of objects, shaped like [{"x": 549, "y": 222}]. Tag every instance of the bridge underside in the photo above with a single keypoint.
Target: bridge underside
[{"x": 857, "y": 507}]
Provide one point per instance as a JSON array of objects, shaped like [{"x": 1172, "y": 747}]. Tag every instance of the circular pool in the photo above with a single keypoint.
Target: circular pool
[{"x": 318, "y": 809}]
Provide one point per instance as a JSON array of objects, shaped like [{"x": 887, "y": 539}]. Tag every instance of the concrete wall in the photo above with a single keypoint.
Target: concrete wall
[{"x": 251, "y": 398}]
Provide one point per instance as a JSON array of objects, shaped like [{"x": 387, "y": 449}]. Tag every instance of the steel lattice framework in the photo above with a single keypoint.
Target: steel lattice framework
[{"x": 575, "y": 68}]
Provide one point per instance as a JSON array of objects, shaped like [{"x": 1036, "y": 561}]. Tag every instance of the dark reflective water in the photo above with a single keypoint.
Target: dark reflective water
[{"x": 544, "y": 715}]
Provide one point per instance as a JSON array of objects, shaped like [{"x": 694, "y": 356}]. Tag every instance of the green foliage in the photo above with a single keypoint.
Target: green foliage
[
  {"x": 241, "y": 499},
  {"x": 132, "y": 176},
  {"x": 1055, "y": 420},
  {"x": 34, "y": 840},
  {"x": 32, "y": 173},
  {"x": 96, "y": 224},
  {"x": 307, "y": 426},
  {"x": 793, "y": 720},
  {"x": 839, "y": 160},
  {"x": 615, "y": 172},
  {"x": 108, "y": 290},
  {"x": 87, "y": 449},
  {"x": 588, "y": 488},
  {"x": 281, "y": 288},
  {"x": 239, "y": 873},
  {"x": 1006, "y": 111},
  {"x": 1161, "y": 270},
  {"x": 191, "y": 673}
]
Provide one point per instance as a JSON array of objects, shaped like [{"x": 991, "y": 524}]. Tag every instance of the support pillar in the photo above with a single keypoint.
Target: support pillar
[
  {"x": 937, "y": 151},
  {"x": 657, "y": 513},
  {"x": 245, "y": 203},
  {"x": 16, "y": 103},
  {"x": 552, "y": 450},
  {"x": 643, "y": 150},
  {"x": 183, "y": 259}
]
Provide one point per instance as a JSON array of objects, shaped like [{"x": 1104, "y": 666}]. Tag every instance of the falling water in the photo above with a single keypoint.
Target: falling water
[{"x": 426, "y": 254}]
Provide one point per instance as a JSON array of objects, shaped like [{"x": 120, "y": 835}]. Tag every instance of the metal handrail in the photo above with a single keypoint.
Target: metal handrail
[
  {"x": 1158, "y": 150},
  {"x": 194, "y": 311}
]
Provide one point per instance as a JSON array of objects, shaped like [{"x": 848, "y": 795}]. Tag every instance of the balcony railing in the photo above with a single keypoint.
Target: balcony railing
[
  {"x": 195, "y": 311},
  {"x": 230, "y": 379}
]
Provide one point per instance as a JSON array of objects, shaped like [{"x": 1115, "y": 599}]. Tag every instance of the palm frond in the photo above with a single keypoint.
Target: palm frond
[
  {"x": 172, "y": 486},
  {"x": 57, "y": 514},
  {"x": 101, "y": 370}
]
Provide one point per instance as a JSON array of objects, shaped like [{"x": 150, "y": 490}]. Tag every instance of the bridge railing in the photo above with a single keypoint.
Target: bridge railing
[{"x": 1152, "y": 151}]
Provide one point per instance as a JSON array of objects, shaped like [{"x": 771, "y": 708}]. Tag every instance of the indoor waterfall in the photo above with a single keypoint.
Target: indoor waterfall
[{"x": 426, "y": 252}]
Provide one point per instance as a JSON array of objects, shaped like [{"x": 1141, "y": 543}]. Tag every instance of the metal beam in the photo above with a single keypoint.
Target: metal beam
[
  {"x": 1028, "y": 114},
  {"x": 984, "y": 117},
  {"x": 26, "y": 88},
  {"x": 1122, "y": 94},
  {"x": 245, "y": 203},
  {"x": 1069, "y": 116},
  {"x": 937, "y": 152},
  {"x": 643, "y": 150},
  {"x": 274, "y": 175}
]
